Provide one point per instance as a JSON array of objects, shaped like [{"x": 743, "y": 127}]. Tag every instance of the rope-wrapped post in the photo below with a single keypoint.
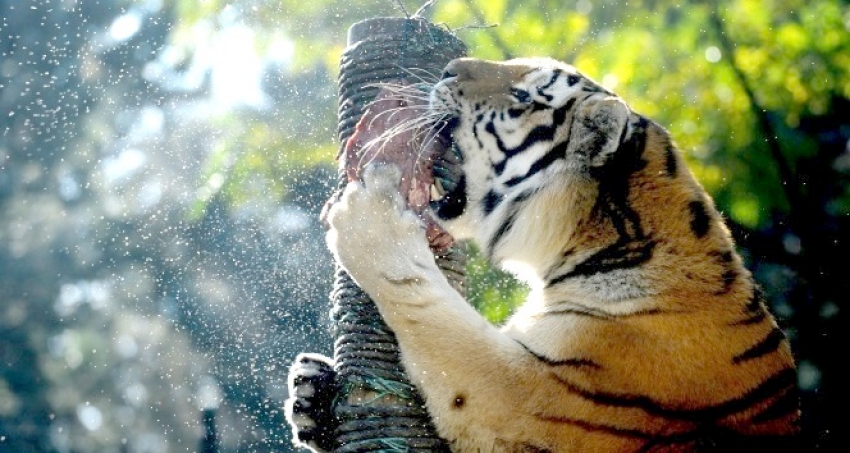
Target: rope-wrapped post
[{"x": 377, "y": 406}]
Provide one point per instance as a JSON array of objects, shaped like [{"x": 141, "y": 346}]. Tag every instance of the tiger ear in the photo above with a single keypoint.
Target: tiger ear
[{"x": 599, "y": 129}]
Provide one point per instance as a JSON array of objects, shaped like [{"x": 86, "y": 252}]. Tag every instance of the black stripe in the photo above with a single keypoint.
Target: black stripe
[
  {"x": 478, "y": 119},
  {"x": 725, "y": 257},
  {"x": 575, "y": 363},
  {"x": 508, "y": 221},
  {"x": 541, "y": 164},
  {"x": 670, "y": 161},
  {"x": 751, "y": 320},
  {"x": 632, "y": 248},
  {"x": 506, "y": 225},
  {"x": 778, "y": 382},
  {"x": 537, "y": 106},
  {"x": 646, "y": 312},
  {"x": 491, "y": 201},
  {"x": 624, "y": 219},
  {"x": 699, "y": 218},
  {"x": 515, "y": 112},
  {"x": 490, "y": 127},
  {"x": 538, "y": 134},
  {"x": 578, "y": 311},
  {"x": 754, "y": 310},
  {"x": 557, "y": 151},
  {"x": 786, "y": 404},
  {"x": 729, "y": 277},
  {"x": 614, "y": 257},
  {"x": 499, "y": 167},
  {"x": 768, "y": 344},
  {"x": 730, "y": 273},
  {"x": 555, "y": 74},
  {"x": 600, "y": 141},
  {"x": 755, "y": 303},
  {"x": 614, "y": 179}
]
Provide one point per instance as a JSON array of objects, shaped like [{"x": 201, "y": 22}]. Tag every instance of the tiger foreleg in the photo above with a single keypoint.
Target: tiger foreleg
[
  {"x": 445, "y": 343},
  {"x": 309, "y": 408}
]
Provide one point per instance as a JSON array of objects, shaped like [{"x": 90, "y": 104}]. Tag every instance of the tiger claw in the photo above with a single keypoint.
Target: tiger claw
[{"x": 309, "y": 408}]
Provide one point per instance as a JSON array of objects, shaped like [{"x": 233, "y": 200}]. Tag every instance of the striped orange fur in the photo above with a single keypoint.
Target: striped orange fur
[{"x": 643, "y": 331}]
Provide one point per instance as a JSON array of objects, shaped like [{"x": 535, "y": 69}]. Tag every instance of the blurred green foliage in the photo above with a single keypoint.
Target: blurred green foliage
[
  {"x": 493, "y": 292},
  {"x": 160, "y": 251},
  {"x": 667, "y": 60}
]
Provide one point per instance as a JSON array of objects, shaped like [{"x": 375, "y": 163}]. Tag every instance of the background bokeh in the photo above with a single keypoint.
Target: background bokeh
[{"x": 163, "y": 163}]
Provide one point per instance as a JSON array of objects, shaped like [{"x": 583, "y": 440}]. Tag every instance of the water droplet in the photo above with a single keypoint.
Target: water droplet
[{"x": 712, "y": 54}]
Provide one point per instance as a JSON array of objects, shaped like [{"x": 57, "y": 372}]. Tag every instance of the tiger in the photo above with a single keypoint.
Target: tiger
[{"x": 643, "y": 331}]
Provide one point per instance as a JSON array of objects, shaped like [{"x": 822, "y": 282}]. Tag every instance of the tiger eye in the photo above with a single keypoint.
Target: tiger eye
[{"x": 521, "y": 96}]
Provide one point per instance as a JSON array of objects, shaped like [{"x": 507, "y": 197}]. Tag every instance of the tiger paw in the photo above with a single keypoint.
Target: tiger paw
[
  {"x": 375, "y": 237},
  {"x": 309, "y": 408}
]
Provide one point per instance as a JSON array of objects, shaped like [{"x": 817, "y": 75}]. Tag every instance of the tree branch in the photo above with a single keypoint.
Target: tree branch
[
  {"x": 497, "y": 40},
  {"x": 767, "y": 131}
]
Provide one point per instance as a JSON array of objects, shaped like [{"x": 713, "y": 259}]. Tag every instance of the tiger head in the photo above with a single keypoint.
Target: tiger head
[
  {"x": 557, "y": 175},
  {"x": 518, "y": 125}
]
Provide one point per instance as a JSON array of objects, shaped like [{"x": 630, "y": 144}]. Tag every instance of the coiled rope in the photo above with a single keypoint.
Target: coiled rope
[{"x": 377, "y": 406}]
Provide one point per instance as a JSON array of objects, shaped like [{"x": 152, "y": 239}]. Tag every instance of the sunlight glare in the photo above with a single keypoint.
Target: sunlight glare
[
  {"x": 237, "y": 69},
  {"x": 118, "y": 169},
  {"x": 90, "y": 417},
  {"x": 125, "y": 26}
]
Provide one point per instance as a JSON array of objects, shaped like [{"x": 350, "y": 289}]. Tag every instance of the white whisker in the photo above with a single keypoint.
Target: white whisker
[
  {"x": 423, "y": 127},
  {"x": 415, "y": 73},
  {"x": 420, "y": 92}
]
